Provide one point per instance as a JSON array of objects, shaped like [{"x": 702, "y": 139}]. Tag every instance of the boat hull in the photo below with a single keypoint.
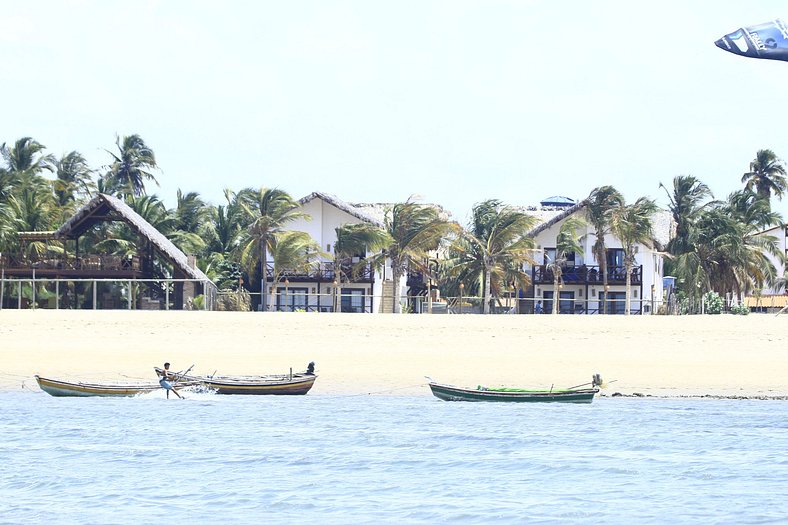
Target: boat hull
[
  {"x": 272, "y": 385},
  {"x": 285, "y": 387},
  {"x": 452, "y": 393},
  {"x": 59, "y": 388}
]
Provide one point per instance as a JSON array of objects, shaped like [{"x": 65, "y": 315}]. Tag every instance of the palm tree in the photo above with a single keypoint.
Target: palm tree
[
  {"x": 352, "y": 239},
  {"x": 131, "y": 166},
  {"x": 495, "y": 246},
  {"x": 26, "y": 158},
  {"x": 291, "y": 251},
  {"x": 266, "y": 211},
  {"x": 415, "y": 230},
  {"x": 567, "y": 242},
  {"x": 191, "y": 212},
  {"x": 32, "y": 209},
  {"x": 73, "y": 179},
  {"x": 766, "y": 176},
  {"x": 632, "y": 224},
  {"x": 599, "y": 205},
  {"x": 727, "y": 251},
  {"x": 685, "y": 204}
]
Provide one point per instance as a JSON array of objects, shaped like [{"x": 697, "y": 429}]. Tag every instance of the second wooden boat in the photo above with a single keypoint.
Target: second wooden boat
[
  {"x": 296, "y": 384},
  {"x": 516, "y": 395}
]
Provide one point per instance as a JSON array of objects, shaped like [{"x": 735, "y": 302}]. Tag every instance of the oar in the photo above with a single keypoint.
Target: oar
[{"x": 180, "y": 375}]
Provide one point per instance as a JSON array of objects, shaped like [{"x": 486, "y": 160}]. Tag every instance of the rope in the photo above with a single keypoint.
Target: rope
[{"x": 385, "y": 391}]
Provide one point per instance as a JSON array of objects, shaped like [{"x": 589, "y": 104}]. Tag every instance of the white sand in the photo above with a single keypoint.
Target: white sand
[{"x": 357, "y": 354}]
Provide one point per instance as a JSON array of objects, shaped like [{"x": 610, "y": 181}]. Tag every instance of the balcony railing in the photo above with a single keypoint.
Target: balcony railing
[
  {"x": 53, "y": 264},
  {"x": 587, "y": 275},
  {"x": 326, "y": 272}
]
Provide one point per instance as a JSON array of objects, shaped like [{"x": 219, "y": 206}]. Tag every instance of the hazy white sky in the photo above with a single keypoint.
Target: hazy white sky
[{"x": 457, "y": 101}]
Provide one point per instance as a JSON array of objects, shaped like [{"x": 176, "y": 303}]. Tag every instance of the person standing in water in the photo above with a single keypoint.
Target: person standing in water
[{"x": 165, "y": 382}]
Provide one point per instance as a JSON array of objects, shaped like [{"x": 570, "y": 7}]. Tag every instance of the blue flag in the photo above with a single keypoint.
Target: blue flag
[{"x": 769, "y": 40}]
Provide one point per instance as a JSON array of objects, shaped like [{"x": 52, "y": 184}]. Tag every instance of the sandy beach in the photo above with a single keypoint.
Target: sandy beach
[{"x": 389, "y": 354}]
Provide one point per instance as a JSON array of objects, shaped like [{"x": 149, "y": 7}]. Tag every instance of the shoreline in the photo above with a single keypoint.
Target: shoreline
[{"x": 728, "y": 357}]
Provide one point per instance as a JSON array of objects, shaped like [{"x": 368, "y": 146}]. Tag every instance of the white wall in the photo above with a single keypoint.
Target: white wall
[
  {"x": 646, "y": 257},
  {"x": 322, "y": 228}
]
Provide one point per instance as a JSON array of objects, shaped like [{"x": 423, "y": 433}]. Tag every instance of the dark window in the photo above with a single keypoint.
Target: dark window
[{"x": 566, "y": 304}]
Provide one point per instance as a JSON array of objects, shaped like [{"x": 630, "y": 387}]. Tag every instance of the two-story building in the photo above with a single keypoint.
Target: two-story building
[
  {"x": 363, "y": 289},
  {"x": 582, "y": 289}
]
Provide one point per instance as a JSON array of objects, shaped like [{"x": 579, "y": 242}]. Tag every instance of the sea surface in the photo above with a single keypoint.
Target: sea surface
[{"x": 390, "y": 459}]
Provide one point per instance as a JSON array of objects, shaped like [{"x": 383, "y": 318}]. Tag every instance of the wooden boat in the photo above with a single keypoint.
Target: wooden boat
[
  {"x": 60, "y": 388},
  {"x": 516, "y": 395},
  {"x": 282, "y": 385}
]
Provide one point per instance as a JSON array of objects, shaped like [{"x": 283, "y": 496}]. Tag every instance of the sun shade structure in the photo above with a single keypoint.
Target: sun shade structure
[
  {"x": 69, "y": 277},
  {"x": 105, "y": 208}
]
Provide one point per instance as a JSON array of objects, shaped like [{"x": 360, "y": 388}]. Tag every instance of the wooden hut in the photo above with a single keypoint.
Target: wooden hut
[{"x": 70, "y": 264}]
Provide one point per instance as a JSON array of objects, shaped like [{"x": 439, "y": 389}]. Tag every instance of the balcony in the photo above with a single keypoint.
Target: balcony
[
  {"x": 325, "y": 272},
  {"x": 66, "y": 266},
  {"x": 587, "y": 275}
]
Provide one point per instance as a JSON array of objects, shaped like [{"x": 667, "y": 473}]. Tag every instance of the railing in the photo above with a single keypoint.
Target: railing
[
  {"x": 587, "y": 275},
  {"x": 326, "y": 272},
  {"x": 290, "y": 301},
  {"x": 88, "y": 262},
  {"x": 104, "y": 294}
]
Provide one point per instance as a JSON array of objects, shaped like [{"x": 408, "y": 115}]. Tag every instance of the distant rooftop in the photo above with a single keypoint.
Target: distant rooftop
[{"x": 558, "y": 201}]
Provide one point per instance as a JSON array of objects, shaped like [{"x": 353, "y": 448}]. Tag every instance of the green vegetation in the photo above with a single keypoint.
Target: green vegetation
[{"x": 718, "y": 247}]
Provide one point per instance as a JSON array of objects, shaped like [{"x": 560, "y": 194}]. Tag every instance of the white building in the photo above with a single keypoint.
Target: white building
[
  {"x": 316, "y": 290},
  {"x": 582, "y": 290},
  {"x": 772, "y": 297}
]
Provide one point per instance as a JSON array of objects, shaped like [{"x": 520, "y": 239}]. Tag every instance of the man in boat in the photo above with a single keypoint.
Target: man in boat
[{"x": 165, "y": 382}]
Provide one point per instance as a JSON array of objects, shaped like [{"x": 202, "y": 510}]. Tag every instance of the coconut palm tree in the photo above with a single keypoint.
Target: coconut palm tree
[
  {"x": 32, "y": 208},
  {"x": 352, "y": 239},
  {"x": 766, "y": 176},
  {"x": 131, "y": 167},
  {"x": 632, "y": 225},
  {"x": 566, "y": 243},
  {"x": 26, "y": 158},
  {"x": 727, "y": 251},
  {"x": 599, "y": 205},
  {"x": 191, "y": 212},
  {"x": 494, "y": 247},
  {"x": 291, "y": 251},
  {"x": 266, "y": 211},
  {"x": 686, "y": 203},
  {"x": 415, "y": 230},
  {"x": 73, "y": 180}
]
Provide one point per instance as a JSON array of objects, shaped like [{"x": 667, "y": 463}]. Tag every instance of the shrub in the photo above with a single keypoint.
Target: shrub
[
  {"x": 713, "y": 303},
  {"x": 740, "y": 309}
]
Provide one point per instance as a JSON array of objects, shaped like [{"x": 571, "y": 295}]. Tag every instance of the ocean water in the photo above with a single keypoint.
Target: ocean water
[{"x": 390, "y": 459}]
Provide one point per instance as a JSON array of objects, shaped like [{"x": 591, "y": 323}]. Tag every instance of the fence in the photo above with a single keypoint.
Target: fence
[
  {"x": 105, "y": 294},
  {"x": 167, "y": 294}
]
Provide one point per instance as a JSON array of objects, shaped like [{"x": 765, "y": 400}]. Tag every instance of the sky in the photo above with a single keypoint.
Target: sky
[{"x": 453, "y": 101}]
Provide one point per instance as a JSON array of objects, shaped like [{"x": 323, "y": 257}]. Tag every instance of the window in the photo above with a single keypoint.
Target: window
[
  {"x": 615, "y": 257},
  {"x": 616, "y": 302},
  {"x": 550, "y": 255},
  {"x": 566, "y": 303},
  {"x": 352, "y": 300},
  {"x": 294, "y": 299}
]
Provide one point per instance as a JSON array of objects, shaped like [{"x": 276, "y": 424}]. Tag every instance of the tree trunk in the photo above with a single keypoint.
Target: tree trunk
[
  {"x": 556, "y": 289},
  {"x": 263, "y": 255},
  {"x": 603, "y": 268},
  {"x": 487, "y": 285},
  {"x": 396, "y": 272},
  {"x": 628, "y": 269},
  {"x": 272, "y": 304}
]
